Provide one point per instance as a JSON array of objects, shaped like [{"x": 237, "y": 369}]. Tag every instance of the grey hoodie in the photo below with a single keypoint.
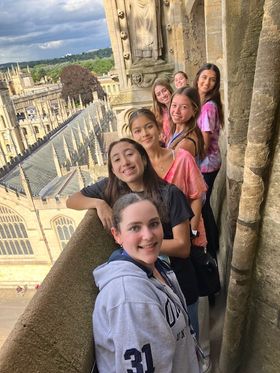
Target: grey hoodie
[{"x": 139, "y": 324}]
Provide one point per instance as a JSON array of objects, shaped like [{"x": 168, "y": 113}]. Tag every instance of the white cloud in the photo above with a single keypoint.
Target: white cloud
[
  {"x": 33, "y": 30},
  {"x": 51, "y": 44},
  {"x": 74, "y": 5}
]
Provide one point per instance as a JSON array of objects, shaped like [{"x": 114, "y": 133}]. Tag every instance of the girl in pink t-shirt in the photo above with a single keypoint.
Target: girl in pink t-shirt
[{"x": 210, "y": 120}]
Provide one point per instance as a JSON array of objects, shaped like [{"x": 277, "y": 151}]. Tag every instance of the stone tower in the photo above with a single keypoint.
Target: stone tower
[
  {"x": 10, "y": 140},
  {"x": 148, "y": 43}
]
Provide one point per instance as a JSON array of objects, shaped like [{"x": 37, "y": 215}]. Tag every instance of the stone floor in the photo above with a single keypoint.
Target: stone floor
[{"x": 216, "y": 330}]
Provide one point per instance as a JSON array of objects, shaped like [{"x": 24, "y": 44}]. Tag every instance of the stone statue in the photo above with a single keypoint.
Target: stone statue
[{"x": 145, "y": 30}]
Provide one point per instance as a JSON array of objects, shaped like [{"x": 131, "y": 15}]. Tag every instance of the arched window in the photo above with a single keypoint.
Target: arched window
[
  {"x": 64, "y": 228},
  {"x": 13, "y": 234}
]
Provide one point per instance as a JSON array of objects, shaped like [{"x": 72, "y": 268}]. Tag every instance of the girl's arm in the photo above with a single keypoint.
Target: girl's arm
[
  {"x": 179, "y": 246},
  {"x": 196, "y": 205},
  {"x": 80, "y": 202},
  {"x": 207, "y": 140}
]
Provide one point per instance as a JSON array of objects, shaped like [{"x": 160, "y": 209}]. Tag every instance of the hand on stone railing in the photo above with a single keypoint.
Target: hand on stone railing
[{"x": 104, "y": 212}]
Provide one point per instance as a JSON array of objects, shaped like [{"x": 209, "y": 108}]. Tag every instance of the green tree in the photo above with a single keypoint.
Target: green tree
[{"x": 38, "y": 72}]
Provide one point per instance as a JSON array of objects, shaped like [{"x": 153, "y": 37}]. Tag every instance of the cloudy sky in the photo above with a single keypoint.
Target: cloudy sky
[{"x": 39, "y": 29}]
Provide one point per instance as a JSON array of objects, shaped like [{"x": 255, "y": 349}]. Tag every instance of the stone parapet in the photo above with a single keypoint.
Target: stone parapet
[{"x": 54, "y": 334}]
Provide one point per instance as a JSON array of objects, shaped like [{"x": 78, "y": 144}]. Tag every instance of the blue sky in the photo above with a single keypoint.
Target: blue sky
[{"x": 40, "y": 29}]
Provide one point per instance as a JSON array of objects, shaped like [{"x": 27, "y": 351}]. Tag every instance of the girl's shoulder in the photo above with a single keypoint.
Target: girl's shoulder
[{"x": 209, "y": 105}]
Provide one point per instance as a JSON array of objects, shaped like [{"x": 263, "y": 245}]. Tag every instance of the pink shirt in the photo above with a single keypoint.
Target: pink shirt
[
  {"x": 166, "y": 125},
  {"x": 185, "y": 174},
  {"x": 208, "y": 121}
]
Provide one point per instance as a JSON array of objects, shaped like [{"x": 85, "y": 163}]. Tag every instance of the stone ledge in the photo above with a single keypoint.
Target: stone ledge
[{"x": 54, "y": 334}]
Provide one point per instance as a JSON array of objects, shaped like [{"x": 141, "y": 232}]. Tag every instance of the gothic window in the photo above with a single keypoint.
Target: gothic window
[
  {"x": 24, "y": 130},
  {"x": 8, "y": 147},
  {"x": 13, "y": 234},
  {"x": 36, "y": 129},
  {"x": 64, "y": 228}
]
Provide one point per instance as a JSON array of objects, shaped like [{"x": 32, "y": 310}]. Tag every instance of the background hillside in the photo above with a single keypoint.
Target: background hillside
[{"x": 99, "y": 62}]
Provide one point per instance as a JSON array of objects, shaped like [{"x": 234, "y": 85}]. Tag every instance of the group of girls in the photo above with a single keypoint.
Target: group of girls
[
  {"x": 196, "y": 130},
  {"x": 151, "y": 201}
]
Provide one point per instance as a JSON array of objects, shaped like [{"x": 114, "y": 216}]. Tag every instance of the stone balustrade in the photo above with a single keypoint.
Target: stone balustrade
[{"x": 54, "y": 334}]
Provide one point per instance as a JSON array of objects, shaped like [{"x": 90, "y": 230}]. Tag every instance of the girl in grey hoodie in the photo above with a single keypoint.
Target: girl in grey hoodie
[{"x": 140, "y": 320}]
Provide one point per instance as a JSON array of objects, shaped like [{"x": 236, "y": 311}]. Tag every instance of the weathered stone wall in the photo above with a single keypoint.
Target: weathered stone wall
[
  {"x": 195, "y": 38},
  {"x": 262, "y": 343},
  {"x": 54, "y": 334},
  {"x": 243, "y": 20}
]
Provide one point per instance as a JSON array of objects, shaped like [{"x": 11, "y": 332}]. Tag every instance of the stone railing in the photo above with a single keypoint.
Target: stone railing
[{"x": 54, "y": 334}]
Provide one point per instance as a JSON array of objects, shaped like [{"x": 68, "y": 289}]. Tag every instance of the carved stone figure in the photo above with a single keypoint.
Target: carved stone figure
[{"x": 145, "y": 30}]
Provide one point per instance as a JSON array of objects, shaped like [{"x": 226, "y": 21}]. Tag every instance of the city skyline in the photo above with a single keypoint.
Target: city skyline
[{"x": 31, "y": 30}]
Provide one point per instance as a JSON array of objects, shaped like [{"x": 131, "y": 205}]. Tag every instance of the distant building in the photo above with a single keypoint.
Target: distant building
[
  {"x": 110, "y": 84},
  {"x": 35, "y": 224}
]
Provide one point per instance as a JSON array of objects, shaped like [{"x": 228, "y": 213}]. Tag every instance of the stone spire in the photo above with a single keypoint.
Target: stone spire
[
  {"x": 56, "y": 162},
  {"x": 81, "y": 102},
  {"x": 90, "y": 121},
  {"x": 86, "y": 128},
  {"x": 98, "y": 152},
  {"x": 25, "y": 183},
  {"x": 74, "y": 141},
  {"x": 74, "y": 106},
  {"x": 81, "y": 179},
  {"x": 90, "y": 159},
  {"x": 69, "y": 105},
  {"x": 110, "y": 126},
  {"x": 80, "y": 135},
  {"x": 66, "y": 150}
]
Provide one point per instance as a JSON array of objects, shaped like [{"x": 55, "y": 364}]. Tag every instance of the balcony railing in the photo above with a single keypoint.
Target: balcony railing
[{"x": 54, "y": 334}]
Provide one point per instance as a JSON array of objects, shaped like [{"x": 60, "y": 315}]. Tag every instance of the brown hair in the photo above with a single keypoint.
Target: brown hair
[
  {"x": 139, "y": 113},
  {"x": 181, "y": 72},
  {"x": 157, "y": 106},
  {"x": 125, "y": 201},
  {"x": 191, "y": 125},
  {"x": 116, "y": 188},
  {"x": 214, "y": 94}
]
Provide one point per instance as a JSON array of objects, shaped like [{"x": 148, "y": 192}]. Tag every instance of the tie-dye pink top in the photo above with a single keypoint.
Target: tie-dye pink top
[
  {"x": 208, "y": 121},
  {"x": 185, "y": 174}
]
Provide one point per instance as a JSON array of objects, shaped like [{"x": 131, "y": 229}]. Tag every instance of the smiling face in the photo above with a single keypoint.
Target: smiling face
[
  {"x": 180, "y": 80},
  {"x": 127, "y": 165},
  {"x": 206, "y": 82},
  {"x": 140, "y": 232},
  {"x": 181, "y": 109},
  {"x": 162, "y": 95},
  {"x": 145, "y": 132}
]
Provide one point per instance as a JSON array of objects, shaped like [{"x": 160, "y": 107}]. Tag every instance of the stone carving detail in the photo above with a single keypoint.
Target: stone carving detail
[
  {"x": 126, "y": 55},
  {"x": 120, "y": 13},
  {"x": 143, "y": 80},
  {"x": 123, "y": 35},
  {"x": 168, "y": 27},
  {"x": 145, "y": 30}
]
